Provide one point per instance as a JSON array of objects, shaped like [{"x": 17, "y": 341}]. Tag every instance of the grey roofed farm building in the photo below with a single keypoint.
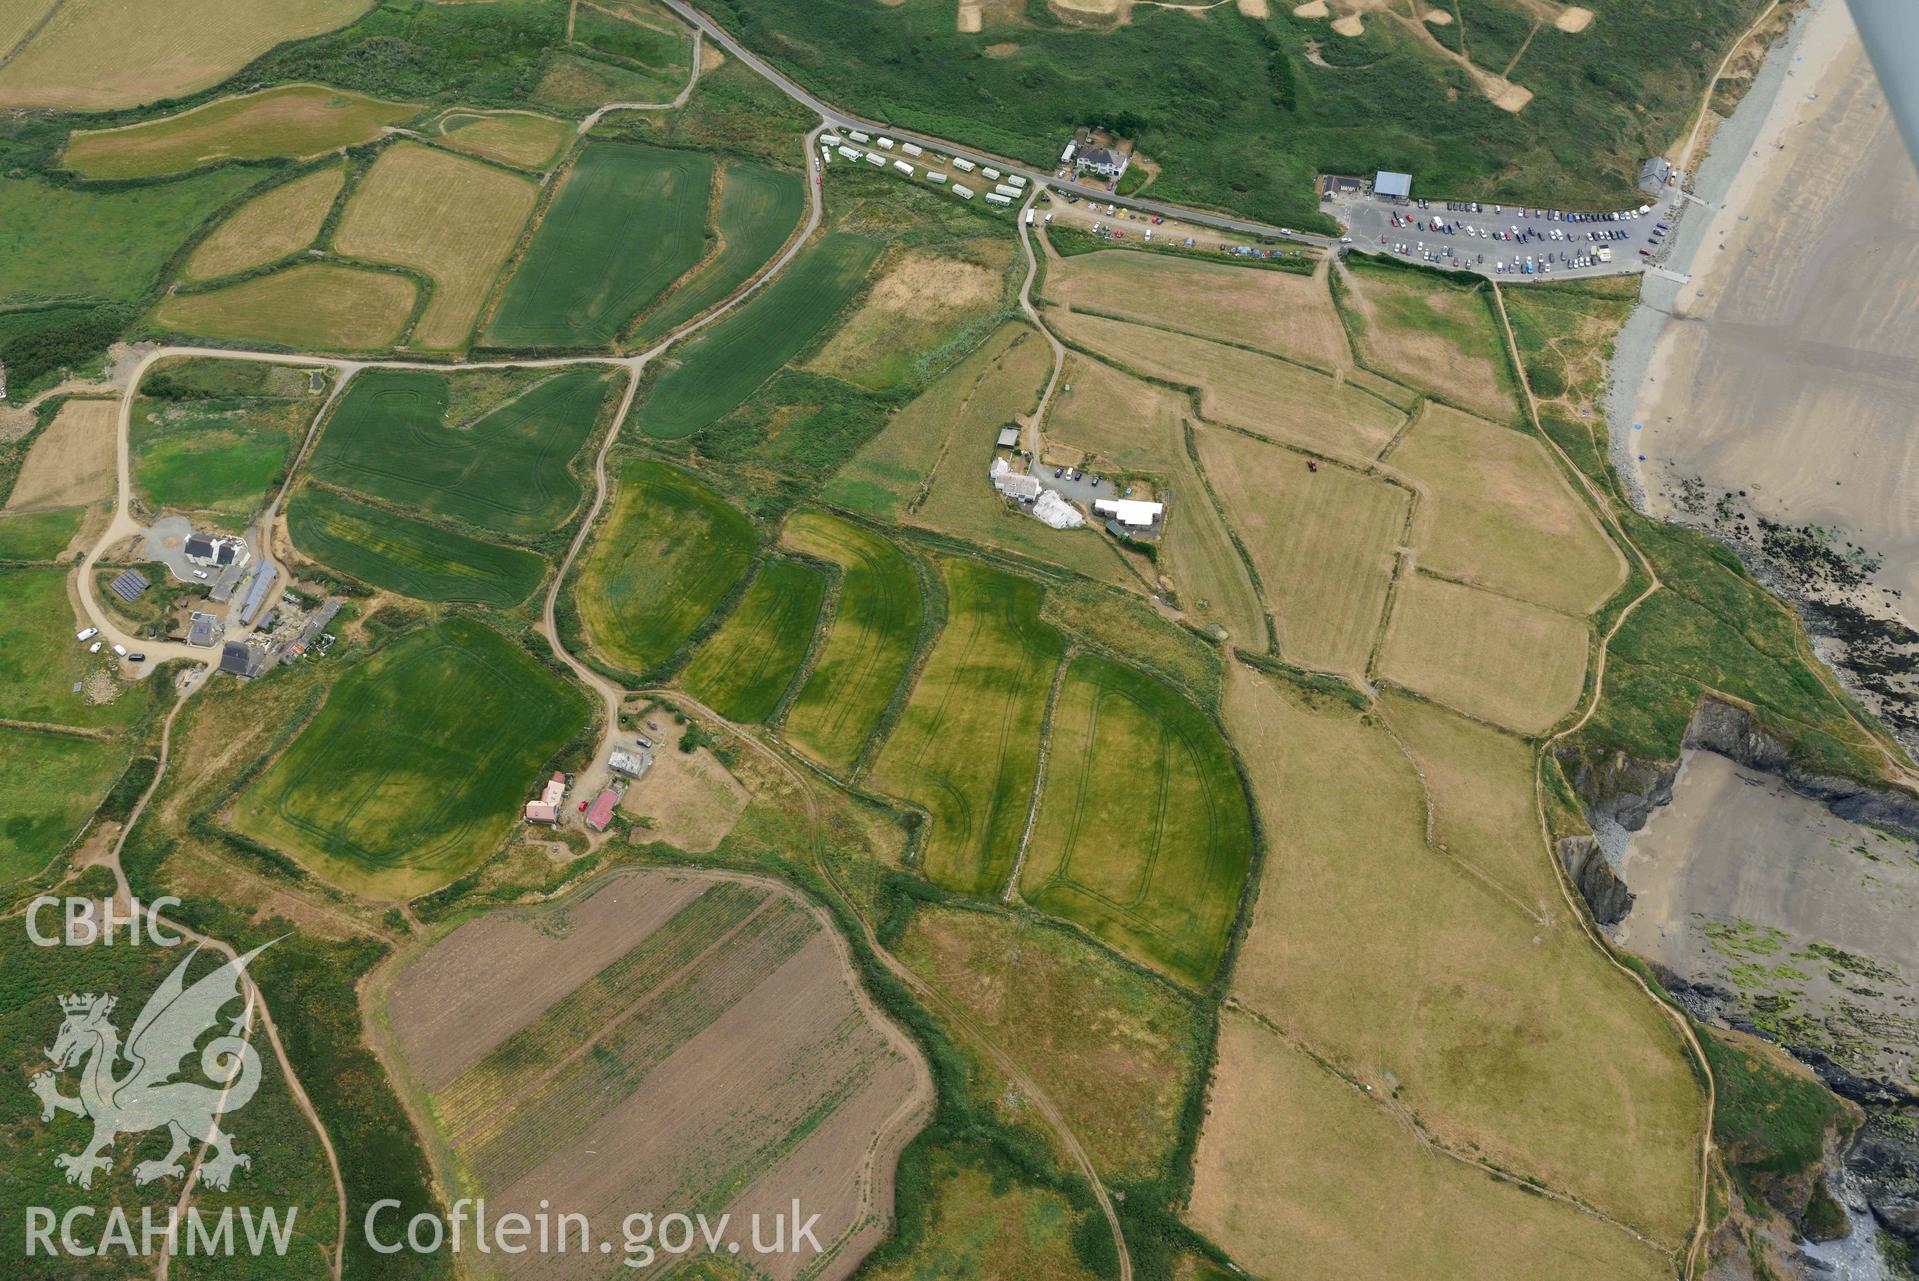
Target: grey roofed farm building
[
  {"x": 203, "y": 629},
  {"x": 1388, "y": 183},
  {"x": 237, "y": 658},
  {"x": 1009, "y": 438},
  {"x": 1653, "y": 175},
  {"x": 263, "y": 575},
  {"x": 632, "y": 764}
]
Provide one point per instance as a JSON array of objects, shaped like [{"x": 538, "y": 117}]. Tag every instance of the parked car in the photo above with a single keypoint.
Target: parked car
[
  {"x": 136, "y": 658},
  {"x": 121, "y": 650},
  {"x": 86, "y": 633}
]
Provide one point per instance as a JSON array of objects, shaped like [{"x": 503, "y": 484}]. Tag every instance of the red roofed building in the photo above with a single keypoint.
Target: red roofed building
[
  {"x": 547, "y": 808},
  {"x": 600, "y": 813}
]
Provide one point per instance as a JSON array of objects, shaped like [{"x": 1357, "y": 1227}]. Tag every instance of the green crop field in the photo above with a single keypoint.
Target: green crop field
[
  {"x": 510, "y": 470},
  {"x": 411, "y": 557},
  {"x": 719, "y": 367},
  {"x": 1144, "y": 836},
  {"x": 759, "y": 207},
  {"x": 967, "y": 747},
  {"x": 38, "y": 535},
  {"x": 413, "y": 770},
  {"x": 40, "y": 662},
  {"x": 628, "y": 221},
  {"x": 744, "y": 670},
  {"x": 49, "y": 783},
  {"x": 229, "y": 469},
  {"x": 869, "y": 645},
  {"x": 289, "y": 120},
  {"x": 71, "y": 242},
  {"x": 219, "y": 450},
  {"x": 661, "y": 562}
]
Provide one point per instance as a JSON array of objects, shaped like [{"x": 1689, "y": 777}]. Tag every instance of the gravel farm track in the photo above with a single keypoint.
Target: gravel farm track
[{"x": 122, "y": 526}]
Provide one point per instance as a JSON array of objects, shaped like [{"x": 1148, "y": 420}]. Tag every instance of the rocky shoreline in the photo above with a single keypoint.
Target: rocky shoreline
[{"x": 1882, "y": 1158}]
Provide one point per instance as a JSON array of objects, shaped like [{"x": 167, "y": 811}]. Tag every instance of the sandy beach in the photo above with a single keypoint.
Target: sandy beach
[{"x": 1790, "y": 365}]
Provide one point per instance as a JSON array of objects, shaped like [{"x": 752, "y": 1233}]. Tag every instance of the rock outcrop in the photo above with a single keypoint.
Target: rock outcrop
[
  {"x": 1604, "y": 892},
  {"x": 1729, "y": 730}
]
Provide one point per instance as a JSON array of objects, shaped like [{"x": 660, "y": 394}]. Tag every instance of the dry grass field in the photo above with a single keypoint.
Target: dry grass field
[
  {"x": 928, "y": 466},
  {"x": 660, "y": 1039},
  {"x": 1481, "y": 783},
  {"x": 1470, "y": 1017},
  {"x": 319, "y": 306},
  {"x": 269, "y": 227},
  {"x": 1245, "y": 389},
  {"x": 1501, "y": 514},
  {"x": 98, "y": 55},
  {"x": 524, "y": 139},
  {"x": 296, "y": 120},
  {"x": 456, "y": 220},
  {"x": 889, "y": 475},
  {"x": 72, "y": 461},
  {"x": 1323, "y": 543},
  {"x": 1273, "y": 310},
  {"x": 1296, "y": 1163},
  {"x": 1137, "y": 427},
  {"x": 1503, "y": 660},
  {"x": 919, "y": 300},
  {"x": 1115, "y": 1050},
  {"x": 1434, "y": 335},
  {"x": 689, "y": 800}
]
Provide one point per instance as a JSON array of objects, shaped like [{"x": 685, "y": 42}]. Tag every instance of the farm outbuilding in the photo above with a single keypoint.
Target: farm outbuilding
[
  {"x": 1009, "y": 438},
  {"x": 203, "y": 629},
  {"x": 631, "y": 764},
  {"x": 1388, "y": 183},
  {"x": 257, "y": 589},
  {"x": 600, "y": 812},
  {"x": 1013, "y": 484},
  {"x": 237, "y": 658},
  {"x": 1130, "y": 512}
]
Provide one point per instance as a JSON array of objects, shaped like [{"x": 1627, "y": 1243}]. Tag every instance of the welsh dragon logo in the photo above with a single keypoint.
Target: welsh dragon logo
[{"x": 131, "y": 1088}]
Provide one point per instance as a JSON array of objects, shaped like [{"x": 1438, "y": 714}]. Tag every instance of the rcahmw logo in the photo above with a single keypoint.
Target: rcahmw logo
[{"x": 131, "y": 1089}]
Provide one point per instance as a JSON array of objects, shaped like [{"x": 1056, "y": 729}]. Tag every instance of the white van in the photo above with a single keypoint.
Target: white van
[{"x": 86, "y": 633}]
